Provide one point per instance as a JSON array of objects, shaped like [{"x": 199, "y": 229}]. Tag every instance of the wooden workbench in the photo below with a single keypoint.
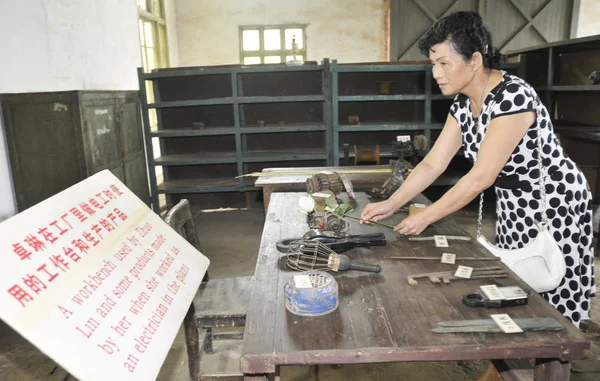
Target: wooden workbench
[
  {"x": 297, "y": 183},
  {"x": 381, "y": 318}
]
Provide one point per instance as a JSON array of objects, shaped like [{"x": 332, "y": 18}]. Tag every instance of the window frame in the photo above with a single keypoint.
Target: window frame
[
  {"x": 160, "y": 43},
  {"x": 262, "y": 53}
]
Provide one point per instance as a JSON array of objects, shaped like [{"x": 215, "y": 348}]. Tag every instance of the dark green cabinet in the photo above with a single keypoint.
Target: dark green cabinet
[{"x": 57, "y": 139}]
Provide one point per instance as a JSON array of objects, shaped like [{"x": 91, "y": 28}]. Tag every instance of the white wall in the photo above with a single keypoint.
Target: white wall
[
  {"x": 170, "y": 19},
  {"x": 348, "y": 30},
  {"x": 56, "y": 45},
  {"x": 589, "y": 14}
]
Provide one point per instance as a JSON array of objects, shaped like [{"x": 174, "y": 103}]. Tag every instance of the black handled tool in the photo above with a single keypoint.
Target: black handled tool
[
  {"x": 339, "y": 244},
  {"x": 510, "y": 296}
]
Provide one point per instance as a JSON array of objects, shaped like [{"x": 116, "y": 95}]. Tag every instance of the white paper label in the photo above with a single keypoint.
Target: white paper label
[
  {"x": 513, "y": 292},
  {"x": 463, "y": 272},
  {"x": 440, "y": 241},
  {"x": 449, "y": 258},
  {"x": 506, "y": 323},
  {"x": 322, "y": 195},
  {"x": 403, "y": 138},
  {"x": 327, "y": 172},
  {"x": 420, "y": 206},
  {"x": 492, "y": 292},
  {"x": 302, "y": 281}
]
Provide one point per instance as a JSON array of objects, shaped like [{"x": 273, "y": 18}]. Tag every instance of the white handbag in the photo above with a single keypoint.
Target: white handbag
[{"x": 541, "y": 263}]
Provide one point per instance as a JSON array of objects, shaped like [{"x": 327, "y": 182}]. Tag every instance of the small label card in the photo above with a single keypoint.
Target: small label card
[
  {"x": 440, "y": 241},
  {"x": 322, "y": 195},
  {"x": 302, "y": 281},
  {"x": 403, "y": 138},
  {"x": 506, "y": 323},
  {"x": 492, "y": 292},
  {"x": 327, "y": 172},
  {"x": 463, "y": 272},
  {"x": 449, "y": 258}
]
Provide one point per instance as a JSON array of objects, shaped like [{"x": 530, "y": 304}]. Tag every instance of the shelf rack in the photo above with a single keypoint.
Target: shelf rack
[
  {"x": 239, "y": 154},
  {"x": 231, "y": 99},
  {"x": 422, "y": 93},
  {"x": 559, "y": 72}
]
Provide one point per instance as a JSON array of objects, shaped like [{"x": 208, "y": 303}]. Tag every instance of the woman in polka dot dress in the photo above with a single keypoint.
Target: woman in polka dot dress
[{"x": 493, "y": 118}]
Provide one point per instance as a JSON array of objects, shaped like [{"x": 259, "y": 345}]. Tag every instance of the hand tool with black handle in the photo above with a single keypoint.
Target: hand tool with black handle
[{"x": 339, "y": 244}]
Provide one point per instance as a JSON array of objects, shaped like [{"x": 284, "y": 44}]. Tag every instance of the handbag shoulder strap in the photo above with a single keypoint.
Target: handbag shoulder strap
[{"x": 542, "y": 182}]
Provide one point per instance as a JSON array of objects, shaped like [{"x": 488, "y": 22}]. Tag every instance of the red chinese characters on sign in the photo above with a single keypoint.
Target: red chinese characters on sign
[
  {"x": 47, "y": 236},
  {"x": 20, "y": 295},
  {"x": 34, "y": 243},
  {"x": 22, "y": 252},
  {"x": 34, "y": 283}
]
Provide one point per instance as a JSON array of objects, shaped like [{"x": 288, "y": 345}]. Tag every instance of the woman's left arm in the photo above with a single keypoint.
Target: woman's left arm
[{"x": 502, "y": 137}]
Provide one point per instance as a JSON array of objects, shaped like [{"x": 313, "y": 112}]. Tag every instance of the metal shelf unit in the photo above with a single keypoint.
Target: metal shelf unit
[
  {"x": 419, "y": 96},
  {"x": 228, "y": 80},
  {"x": 246, "y": 94},
  {"x": 559, "y": 72}
]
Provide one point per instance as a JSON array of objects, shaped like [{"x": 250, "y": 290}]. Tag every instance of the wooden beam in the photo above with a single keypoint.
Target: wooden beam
[
  {"x": 529, "y": 23},
  {"x": 421, "y": 36},
  {"x": 425, "y": 10},
  {"x": 530, "y": 20}
]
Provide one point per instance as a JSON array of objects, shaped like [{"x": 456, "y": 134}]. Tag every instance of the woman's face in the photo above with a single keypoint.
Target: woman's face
[{"x": 450, "y": 70}]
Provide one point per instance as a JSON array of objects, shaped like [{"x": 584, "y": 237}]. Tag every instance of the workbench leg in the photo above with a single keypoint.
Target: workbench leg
[
  {"x": 551, "y": 370},
  {"x": 248, "y": 200},
  {"x": 266, "y": 198}
]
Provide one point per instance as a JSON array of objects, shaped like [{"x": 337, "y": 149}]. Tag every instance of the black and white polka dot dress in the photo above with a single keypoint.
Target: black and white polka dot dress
[{"x": 518, "y": 197}]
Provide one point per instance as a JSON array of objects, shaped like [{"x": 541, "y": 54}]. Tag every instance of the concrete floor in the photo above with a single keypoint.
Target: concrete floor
[{"x": 235, "y": 256}]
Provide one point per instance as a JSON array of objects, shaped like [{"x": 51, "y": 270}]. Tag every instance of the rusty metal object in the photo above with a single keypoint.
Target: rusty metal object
[
  {"x": 420, "y": 144},
  {"x": 334, "y": 223},
  {"x": 447, "y": 276},
  {"x": 325, "y": 181},
  {"x": 327, "y": 221},
  {"x": 399, "y": 170},
  {"x": 410, "y": 150},
  {"x": 354, "y": 120},
  {"x": 403, "y": 149},
  {"x": 385, "y": 87},
  {"x": 366, "y": 156}
]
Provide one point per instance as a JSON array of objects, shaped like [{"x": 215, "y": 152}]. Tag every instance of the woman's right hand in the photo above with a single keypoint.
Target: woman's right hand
[{"x": 377, "y": 211}]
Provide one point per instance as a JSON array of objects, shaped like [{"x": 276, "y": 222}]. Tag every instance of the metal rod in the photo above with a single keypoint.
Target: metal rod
[
  {"x": 448, "y": 237},
  {"x": 370, "y": 221},
  {"x": 457, "y": 258}
]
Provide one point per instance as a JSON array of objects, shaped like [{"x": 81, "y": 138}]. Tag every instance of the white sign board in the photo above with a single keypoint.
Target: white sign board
[{"x": 97, "y": 281}]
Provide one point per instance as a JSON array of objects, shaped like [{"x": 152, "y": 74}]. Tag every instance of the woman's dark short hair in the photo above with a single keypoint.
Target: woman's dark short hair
[{"x": 466, "y": 34}]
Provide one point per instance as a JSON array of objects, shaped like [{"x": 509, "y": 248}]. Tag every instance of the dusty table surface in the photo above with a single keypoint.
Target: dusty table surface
[{"x": 381, "y": 318}]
